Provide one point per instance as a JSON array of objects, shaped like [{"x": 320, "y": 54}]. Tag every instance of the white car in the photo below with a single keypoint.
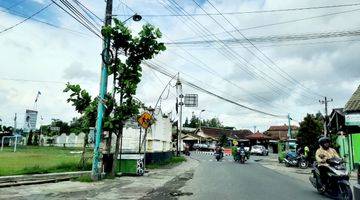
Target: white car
[{"x": 259, "y": 150}]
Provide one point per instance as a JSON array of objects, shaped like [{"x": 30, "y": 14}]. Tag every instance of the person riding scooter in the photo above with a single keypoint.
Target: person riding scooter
[
  {"x": 218, "y": 152},
  {"x": 242, "y": 153},
  {"x": 324, "y": 153}
]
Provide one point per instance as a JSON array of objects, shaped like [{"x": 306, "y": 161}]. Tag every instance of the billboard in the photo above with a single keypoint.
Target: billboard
[
  {"x": 352, "y": 119},
  {"x": 30, "y": 120}
]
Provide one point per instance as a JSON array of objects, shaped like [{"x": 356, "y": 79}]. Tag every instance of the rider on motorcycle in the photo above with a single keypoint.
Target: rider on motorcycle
[
  {"x": 324, "y": 153},
  {"x": 241, "y": 146}
]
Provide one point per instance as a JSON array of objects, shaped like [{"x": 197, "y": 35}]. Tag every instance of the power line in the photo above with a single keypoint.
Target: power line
[
  {"x": 282, "y": 44},
  {"x": 74, "y": 15},
  {"x": 254, "y": 11},
  {"x": 17, "y": 24},
  {"x": 76, "y": 12},
  {"x": 275, "y": 38},
  {"x": 204, "y": 66},
  {"x": 260, "y": 59},
  {"x": 225, "y": 54},
  {"x": 286, "y": 76},
  {"x": 237, "y": 103},
  {"x": 237, "y": 56},
  {"x": 228, "y": 54},
  {"x": 163, "y": 71},
  {"x": 281, "y": 23},
  {"x": 18, "y": 14},
  {"x": 88, "y": 10}
]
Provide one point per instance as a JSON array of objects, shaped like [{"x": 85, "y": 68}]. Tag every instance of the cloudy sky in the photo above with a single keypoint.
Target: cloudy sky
[{"x": 277, "y": 76}]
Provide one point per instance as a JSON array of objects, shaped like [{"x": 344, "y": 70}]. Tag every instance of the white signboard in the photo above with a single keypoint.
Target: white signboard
[
  {"x": 352, "y": 119},
  {"x": 191, "y": 100},
  {"x": 30, "y": 120}
]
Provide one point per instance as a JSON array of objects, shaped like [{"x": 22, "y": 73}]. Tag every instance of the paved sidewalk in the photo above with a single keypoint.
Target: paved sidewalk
[{"x": 126, "y": 187}]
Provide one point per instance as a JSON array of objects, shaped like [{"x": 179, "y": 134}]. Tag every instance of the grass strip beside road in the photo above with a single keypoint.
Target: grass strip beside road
[
  {"x": 40, "y": 160},
  {"x": 167, "y": 163}
]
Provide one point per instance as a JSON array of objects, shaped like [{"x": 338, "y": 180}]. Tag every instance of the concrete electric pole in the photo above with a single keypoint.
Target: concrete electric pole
[
  {"x": 325, "y": 102},
  {"x": 96, "y": 165},
  {"x": 289, "y": 127},
  {"x": 181, "y": 96}
]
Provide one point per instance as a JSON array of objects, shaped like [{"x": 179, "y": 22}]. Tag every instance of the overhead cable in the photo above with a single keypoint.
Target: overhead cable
[
  {"x": 211, "y": 93},
  {"x": 283, "y": 73},
  {"x": 24, "y": 20},
  {"x": 254, "y": 11},
  {"x": 282, "y": 22}
]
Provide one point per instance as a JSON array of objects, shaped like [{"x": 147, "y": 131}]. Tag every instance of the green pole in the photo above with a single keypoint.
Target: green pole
[{"x": 96, "y": 165}]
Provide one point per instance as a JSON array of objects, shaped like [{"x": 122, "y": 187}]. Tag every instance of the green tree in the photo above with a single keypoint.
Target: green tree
[
  {"x": 36, "y": 139},
  {"x": 30, "y": 138},
  {"x": 223, "y": 140},
  {"x": 87, "y": 107},
  {"x": 213, "y": 123},
  {"x": 76, "y": 125},
  {"x": 127, "y": 72},
  {"x": 310, "y": 131},
  {"x": 126, "y": 75},
  {"x": 194, "y": 122},
  {"x": 64, "y": 126},
  {"x": 186, "y": 124}
]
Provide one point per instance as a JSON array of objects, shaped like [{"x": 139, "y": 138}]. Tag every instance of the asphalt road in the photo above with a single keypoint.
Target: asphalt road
[{"x": 250, "y": 181}]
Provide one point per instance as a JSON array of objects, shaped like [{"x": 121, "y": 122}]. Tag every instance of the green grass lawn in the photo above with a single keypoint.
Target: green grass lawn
[{"x": 34, "y": 160}]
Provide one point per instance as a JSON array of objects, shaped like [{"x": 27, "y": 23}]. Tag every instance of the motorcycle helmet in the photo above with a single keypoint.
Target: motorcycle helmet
[{"x": 324, "y": 142}]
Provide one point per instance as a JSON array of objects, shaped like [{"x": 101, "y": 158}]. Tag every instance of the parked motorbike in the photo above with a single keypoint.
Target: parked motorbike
[
  {"x": 337, "y": 184},
  {"x": 293, "y": 159}
]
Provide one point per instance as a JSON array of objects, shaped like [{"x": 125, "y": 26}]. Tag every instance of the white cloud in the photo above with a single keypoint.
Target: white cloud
[{"x": 36, "y": 51}]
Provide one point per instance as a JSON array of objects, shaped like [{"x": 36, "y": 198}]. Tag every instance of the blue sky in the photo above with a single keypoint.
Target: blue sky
[
  {"x": 28, "y": 7},
  {"x": 40, "y": 52}
]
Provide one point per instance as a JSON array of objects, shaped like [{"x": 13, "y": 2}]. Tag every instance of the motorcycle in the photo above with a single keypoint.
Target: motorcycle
[
  {"x": 218, "y": 156},
  {"x": 337, "y": 184},
  {"x": 242, "y": 156},
  {"x": 293, "y": 159}
]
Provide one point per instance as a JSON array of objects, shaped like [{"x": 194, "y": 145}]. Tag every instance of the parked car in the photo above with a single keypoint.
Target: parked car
[
  {"x": 212, "y": 147},
  {"x": 259, "y": 150},
  {"x": 199, "y": 146}
]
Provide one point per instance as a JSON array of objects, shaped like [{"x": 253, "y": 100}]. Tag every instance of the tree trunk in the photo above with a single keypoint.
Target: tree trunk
[
  {"x": 116, "y": 153},
  {"x": 82, "y": 162}
]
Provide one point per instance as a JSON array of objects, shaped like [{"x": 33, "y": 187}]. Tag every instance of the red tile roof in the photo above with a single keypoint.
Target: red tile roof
[
  {"x": 217, "y": 132},
  {"x": 258, "y": 136},
  {"x": 282, "y": 128}
]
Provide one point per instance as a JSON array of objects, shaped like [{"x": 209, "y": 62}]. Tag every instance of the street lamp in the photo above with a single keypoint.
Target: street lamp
[{"x": 135, "y": 17}]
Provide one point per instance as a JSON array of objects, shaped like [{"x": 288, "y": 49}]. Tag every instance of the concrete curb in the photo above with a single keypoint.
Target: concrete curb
[{"x": 8, "y": 181}]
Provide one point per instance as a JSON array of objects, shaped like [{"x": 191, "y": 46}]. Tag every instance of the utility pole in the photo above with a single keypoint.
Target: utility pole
[
  {"x": 200, "y": 122},
  {"x": 289, "y": 127},
  {"x": 254, "y": 129},
  {"x": 325, "y": 102},
  {"x": 15, "y": 119},
  {"x": 96, "y": 165},
  {"x": 181, "y": 96}
]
